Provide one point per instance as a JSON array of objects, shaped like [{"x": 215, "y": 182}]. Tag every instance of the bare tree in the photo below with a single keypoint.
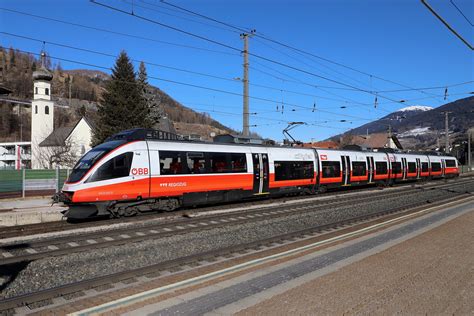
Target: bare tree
[{"x": 64, "y": 155}]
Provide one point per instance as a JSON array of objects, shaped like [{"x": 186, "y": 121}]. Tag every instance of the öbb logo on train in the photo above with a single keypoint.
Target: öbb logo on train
[{"x": 139, "y": 171}]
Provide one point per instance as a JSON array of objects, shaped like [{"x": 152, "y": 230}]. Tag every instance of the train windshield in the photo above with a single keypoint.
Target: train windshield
[{"x": 90, "y": 158}]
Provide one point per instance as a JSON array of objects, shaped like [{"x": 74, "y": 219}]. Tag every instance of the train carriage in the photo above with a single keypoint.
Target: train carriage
[{"x": 346, "y": 168}]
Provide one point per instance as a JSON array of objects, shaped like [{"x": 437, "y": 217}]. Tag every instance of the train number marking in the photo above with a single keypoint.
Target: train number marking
[{"x": 139, "y": 171}]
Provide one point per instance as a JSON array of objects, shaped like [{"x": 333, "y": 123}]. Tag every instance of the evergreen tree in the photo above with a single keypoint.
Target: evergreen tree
[
  {"x": 122, "y": 106},
  {"x": 155, "y": 113}
]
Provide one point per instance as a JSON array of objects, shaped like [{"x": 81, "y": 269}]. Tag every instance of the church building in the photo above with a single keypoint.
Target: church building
[{"x": 49, "y": 147}]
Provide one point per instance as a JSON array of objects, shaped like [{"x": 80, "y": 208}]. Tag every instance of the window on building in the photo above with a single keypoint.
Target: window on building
[
  {"x": 396, "y": 167},
  {"x": 36, "y": 90},
  {"x": 381, "y": 167},
  {"x": 435, "y": 166},
  {"x": 359, "y": 169},
  {"x": 411, "y": 167},
  {"x": 46, "y": 110},
  {"x": 293, "y": 170},
  {"x": 36, "y": 109},
  {"x": 170, "y": 162},
  {"x": 450, "y": 163},
  {"x": 116, "y": 167},
  {"x": 424, "y": 167},
  {"x": 83, "y": 149},
  {"x": 46, "y": 91},
  {"x": 331, "y": 169}
]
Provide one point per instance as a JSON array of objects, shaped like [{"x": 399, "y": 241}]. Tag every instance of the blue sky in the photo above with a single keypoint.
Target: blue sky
[{"x": 397, "y": 40}]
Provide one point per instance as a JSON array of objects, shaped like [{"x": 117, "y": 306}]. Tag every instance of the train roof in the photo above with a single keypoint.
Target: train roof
[{"x": 144, "y": 134}]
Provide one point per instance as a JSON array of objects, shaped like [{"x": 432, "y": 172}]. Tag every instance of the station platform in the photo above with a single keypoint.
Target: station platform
[
  {"x": 423, "y": 265},
  {"x": 29, "y": 211}
]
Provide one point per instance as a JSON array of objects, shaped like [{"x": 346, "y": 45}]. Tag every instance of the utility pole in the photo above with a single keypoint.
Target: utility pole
[
  {"x": 70, "y": 89},
  {"x": 469, "y": 150},
  {"x": 245, "y": 121},
  {"x": 446, "y": 125}
]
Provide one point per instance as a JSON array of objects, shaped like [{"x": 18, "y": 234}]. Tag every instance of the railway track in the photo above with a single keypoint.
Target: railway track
[
  {"x": 33, "y": 229},
  {"x": 152, "y": 271},
  {"x": 35, "y": 250}
]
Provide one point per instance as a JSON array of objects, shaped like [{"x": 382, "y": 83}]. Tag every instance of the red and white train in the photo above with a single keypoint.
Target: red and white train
[{"x": 134, "y": 171}]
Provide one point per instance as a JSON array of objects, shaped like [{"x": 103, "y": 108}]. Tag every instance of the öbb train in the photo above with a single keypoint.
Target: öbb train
[{"x": 136, "y": 171}]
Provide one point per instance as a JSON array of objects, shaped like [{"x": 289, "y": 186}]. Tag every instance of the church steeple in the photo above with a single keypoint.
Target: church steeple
[
  {"x": 42, "y": 81},
  {"x": 42, "y": 109}
]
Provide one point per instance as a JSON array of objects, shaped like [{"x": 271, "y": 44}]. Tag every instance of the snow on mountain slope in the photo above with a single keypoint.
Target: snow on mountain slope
[
  {"x": 416, "y": 108},
  {"x": 415, "y": 132}
]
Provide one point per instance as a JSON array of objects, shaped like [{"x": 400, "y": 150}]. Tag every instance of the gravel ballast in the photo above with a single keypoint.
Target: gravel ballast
[{"x": 56, "y": 271}]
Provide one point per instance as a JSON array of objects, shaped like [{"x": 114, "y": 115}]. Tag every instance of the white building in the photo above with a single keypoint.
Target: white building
[{"x": 48, "y": 147}]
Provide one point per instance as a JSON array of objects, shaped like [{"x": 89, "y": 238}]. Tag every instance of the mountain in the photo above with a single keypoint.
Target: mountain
[{"x": 420, "y": 127}]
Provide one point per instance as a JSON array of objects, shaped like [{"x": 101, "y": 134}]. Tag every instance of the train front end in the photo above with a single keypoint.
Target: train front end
[{"x": 83, "y": 192}]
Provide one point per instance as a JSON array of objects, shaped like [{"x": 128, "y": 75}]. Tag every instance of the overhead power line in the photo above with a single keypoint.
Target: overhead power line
[
  {"x": 459, "y": 10},
  {"x": 193, "y": 85},
  {"x": 93, "y": 28},
  {"x": 235, "y": 49},
  {"x": 446, "y": 24},
  {"x": 170, "y": 67},
  {"x": 293, "y": 48}
]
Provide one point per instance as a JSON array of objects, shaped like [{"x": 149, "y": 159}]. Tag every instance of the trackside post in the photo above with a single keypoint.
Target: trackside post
[{"x": 23, "y": 172}]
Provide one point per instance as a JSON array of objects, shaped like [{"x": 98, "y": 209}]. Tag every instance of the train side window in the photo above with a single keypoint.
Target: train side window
[
  {"x": 411, "y": 167},
  {"x": 424, "y": 167},
  {"x": 116, "y": 167},
  {"x": 238, "y": 162},
  {"x": 170, "y": 162},
  {"x": 396, "y": 167},
  {"x": 219, "y": 162},
  {"x": 435, "y": 166},
  {"x": 196, "y": 162},
  {"x": 450, "y": 163},
  {"x": 293, "y": 170},
  {"x": 359, "y": 169},
  {"x": 381, "y": 167},
  {"x": 331, "y": 169}
]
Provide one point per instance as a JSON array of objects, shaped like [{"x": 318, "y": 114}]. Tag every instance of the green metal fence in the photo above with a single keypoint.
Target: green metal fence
[
  {"x": 28, "y": 182},
  {"x": 10, "y": 181}
]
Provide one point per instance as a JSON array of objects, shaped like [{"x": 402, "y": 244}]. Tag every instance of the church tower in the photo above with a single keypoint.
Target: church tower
[{"x": 42, "y": 111}]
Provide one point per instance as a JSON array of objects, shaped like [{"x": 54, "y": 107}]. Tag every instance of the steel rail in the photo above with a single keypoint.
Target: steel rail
[
  {"x": 102, "y": 239},
  {"x": 49, "y": 294}
]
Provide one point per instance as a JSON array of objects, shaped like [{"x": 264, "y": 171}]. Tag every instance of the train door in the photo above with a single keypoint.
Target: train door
[
  {"x": 260, "y": 173},
  {"x": 370, "y": 169},
  {"x": 404, "y": 168},
  {"x": 346, "y": 170},
  {"x": 418, "y": 168},
  {"x": 443, "y": 167}
]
